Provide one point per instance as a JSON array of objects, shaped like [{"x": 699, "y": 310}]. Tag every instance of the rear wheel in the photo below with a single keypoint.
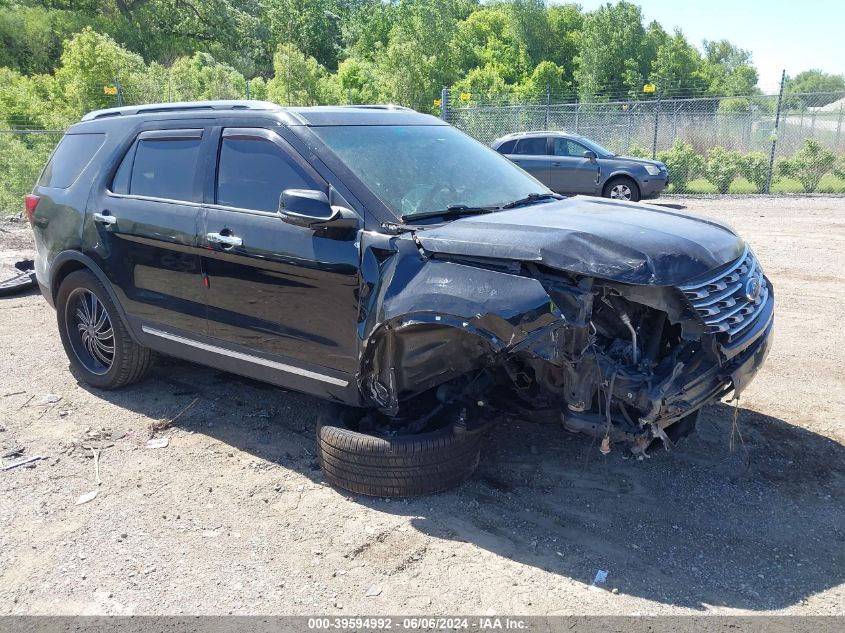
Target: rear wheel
[
  {"x": 96, "y": 341},
  {"x": 622, "y": 188},
  {"x": 392, "y": 466}
]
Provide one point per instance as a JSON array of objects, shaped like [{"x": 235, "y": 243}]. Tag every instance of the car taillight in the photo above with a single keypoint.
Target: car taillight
[{"x": 30, "y": 202}]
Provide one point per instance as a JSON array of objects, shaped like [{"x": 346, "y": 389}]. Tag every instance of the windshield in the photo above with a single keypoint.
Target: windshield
[
  {"x": 421, "y": 169},
  {"x": 598, "y": 149}
]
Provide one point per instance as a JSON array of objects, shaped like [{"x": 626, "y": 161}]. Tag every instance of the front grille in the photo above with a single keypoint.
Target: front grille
[{"x": 723, "y": 301}]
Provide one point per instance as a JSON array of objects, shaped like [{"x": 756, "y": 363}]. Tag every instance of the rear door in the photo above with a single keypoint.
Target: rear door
[
  {"x": 142, "y": 229},
  {"x": 532, "y": 155},
  {"x": 570, "y": 171},
  {"x": 277, "y": 293}
]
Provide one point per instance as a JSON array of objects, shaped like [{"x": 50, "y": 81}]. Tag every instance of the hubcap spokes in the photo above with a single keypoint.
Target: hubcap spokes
[
  {"x": 95, "y": 331},
  {"x": 621, "y": 192}
]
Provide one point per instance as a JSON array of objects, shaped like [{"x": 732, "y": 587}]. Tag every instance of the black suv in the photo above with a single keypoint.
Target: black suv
[{"x": 388, "y": 263}]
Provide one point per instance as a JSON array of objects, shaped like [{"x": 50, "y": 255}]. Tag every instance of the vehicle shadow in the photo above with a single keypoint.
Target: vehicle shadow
[{"x": 756, "y": 526}]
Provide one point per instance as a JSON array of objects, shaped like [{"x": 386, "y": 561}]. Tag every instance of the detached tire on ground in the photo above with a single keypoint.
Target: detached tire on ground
[
  {"x": 402, "y": 466},
  {"x": 17, "y": 284}
]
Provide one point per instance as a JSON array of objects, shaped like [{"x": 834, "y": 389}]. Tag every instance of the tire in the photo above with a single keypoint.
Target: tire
[
  {"x": 617, "y": 188},
  {"x": 100, "y": 350},
  {"x": 402, "y": 466},
  {"x": 17, "y": 284}
]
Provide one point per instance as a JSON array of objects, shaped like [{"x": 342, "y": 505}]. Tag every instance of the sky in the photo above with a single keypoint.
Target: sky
[{"x": 796, "y": 35}]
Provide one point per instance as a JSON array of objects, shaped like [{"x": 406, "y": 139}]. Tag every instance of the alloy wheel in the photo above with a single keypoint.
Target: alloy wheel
[
  {"x": 90, "y": 331},
  {"x": 620, "y": 192}
]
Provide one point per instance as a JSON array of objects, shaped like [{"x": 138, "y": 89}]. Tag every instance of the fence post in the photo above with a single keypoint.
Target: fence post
[
  {"x": 119, "y": 92},
  {"x": 577, "y": 112},
  {"x": 749, "y": 126},
  {"x": 548, "y": 105},
  {"x": 656, "y": 120},
  {"x": 247, "y": 89},
  {"x": 839, "y": 128},
  {"x": 444, "y": 104},
  {"x": 674, "y": 119},
  {"x": 775, "y": 134},
  {"x": 628, "y": 129}
]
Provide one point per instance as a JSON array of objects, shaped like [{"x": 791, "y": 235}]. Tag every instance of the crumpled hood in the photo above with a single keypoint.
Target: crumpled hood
[{"x": 617, "y": 241}]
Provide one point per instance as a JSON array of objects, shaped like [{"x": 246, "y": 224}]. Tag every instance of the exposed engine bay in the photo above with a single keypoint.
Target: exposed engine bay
[{"x": 628, "y": 364}]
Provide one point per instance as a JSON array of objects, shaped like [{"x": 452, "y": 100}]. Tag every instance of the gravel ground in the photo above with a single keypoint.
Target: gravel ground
[{"x": 233, "y": 516}]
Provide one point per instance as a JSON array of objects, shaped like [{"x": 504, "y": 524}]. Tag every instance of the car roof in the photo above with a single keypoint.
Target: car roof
[
  {"x": 533, "y": 134},
  {"x": 312, "y": 116}
]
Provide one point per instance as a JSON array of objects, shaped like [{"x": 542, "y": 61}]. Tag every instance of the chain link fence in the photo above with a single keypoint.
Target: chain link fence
[{"x": 777, "y": 143}]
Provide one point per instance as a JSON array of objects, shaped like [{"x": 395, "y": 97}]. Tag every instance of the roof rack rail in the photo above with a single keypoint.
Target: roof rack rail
[
  {"x": 376, "y": 106},
  {"x": 180, "y": 106}
]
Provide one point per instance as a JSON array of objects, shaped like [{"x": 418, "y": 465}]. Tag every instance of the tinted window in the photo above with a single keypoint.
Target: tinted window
[
  {"x": 506, "y": 147},
  {"x": 535, "y": 146},
  {"x": 120, "y": 183},
  {"x": 72, "y": 155},
  {"x": 163, "y": 168},
  {"x": 254, "y": 172},
  {"x": 565, "y": 147}
]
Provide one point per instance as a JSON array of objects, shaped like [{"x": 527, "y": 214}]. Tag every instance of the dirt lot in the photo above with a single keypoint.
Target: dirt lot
[{"x": 233, "y": 516}]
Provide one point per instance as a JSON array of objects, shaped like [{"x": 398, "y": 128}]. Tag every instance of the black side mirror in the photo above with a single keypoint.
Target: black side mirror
[
  {"x": 591, "y": 156},
  {"x": 311, "y": 209}
]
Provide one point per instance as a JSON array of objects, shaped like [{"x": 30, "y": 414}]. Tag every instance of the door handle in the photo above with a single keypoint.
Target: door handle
[
  {"x": 226, "y": 240},
  {"x": 105, "y": 218},
  {"x": 556, "y": 164}
]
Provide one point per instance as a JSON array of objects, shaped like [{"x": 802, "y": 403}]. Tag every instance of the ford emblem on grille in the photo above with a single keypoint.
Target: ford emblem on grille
[{"x": 752, "y": 288}]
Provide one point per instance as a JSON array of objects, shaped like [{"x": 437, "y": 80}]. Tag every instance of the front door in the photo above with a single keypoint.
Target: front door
[
  {"x": 141, "y": 230},
  {"x": 280, "y": 290},
  {"x": 530, "y": 153},
  {"x": 570, "y": 171}
]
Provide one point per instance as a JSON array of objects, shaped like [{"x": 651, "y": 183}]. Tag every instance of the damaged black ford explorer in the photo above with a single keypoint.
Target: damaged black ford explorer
[{"x": 418, "y": 281}]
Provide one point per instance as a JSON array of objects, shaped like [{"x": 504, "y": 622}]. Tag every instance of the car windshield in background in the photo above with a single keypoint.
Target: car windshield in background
[
  {"x": 418, "y": 170},
  {"x": 601, "y": 152}
]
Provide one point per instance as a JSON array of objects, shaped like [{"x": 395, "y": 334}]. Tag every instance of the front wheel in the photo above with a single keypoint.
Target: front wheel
[
  {"x": 96, "y": 341},
  {"x": 395, "y": 466},
  {"x": 622, "y": 189}
]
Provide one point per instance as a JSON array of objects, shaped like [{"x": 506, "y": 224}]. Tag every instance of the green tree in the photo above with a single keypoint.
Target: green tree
[
  {"x": 530, "y": 27},
  {"x": 258, "y": 89},
  {"x": 490, "y": 38},
  {"x": 613, "y": 58},
  {"x": 727, "y": 70},
  {"x": 721, "y": 167},
  {"x": 298, "y": 79},
  {"x": 89, "y": 62},
  {"x": 808, "y": 164},
  {"x": 815, "y": 81},
  {"x": 358, "y": 81},
  {"x": 202, "y": 77},
  {"x": 313, "y": 26},
  {"x": 547, "y": 75},
  {"x": 32, "y": 37},
  {"x": 367, "y": 30},
  {"x": 677, "y": 67},
  {"x": 419, "y": 58},
  {"x": 21, "y": 160},
  {"x": 565, "y": 24},
  {"x": 485, "y": 83}
]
